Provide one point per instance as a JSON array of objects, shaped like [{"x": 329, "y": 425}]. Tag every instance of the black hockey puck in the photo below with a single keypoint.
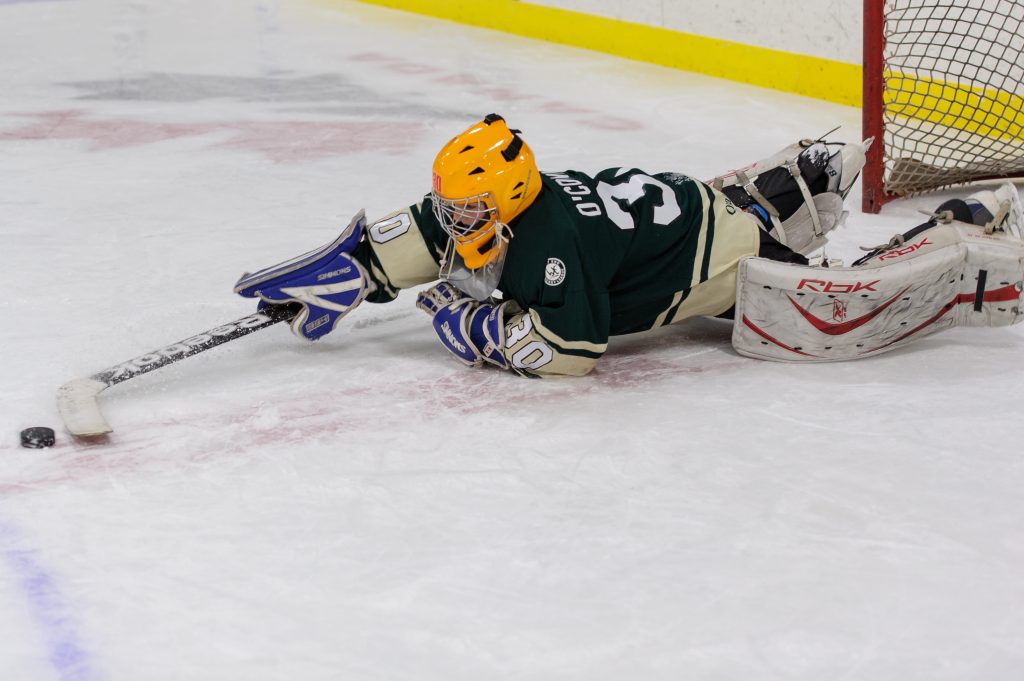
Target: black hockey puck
[{"x": 38, "y": 437}]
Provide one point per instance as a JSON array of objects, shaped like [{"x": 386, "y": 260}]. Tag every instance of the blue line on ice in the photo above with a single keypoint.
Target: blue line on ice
[{"x": 46, "y": 606}]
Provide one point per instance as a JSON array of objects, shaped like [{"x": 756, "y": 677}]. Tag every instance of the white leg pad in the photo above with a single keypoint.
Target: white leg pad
[
  {"x": 950, "y": 275},
  {"x": 781, "y": 186},
  {"x": 801, "y": 233}
]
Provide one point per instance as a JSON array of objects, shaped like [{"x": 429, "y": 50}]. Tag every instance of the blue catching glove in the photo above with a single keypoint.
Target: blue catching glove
[
  {"x": 327, "y": 283},
  {"x": 470, "y": 330}
]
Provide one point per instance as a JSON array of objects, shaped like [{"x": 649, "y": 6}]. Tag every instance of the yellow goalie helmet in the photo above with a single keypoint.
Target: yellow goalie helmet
[{"x": 483, "y": 179}]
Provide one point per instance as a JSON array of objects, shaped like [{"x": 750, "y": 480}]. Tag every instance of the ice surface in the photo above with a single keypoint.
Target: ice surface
[{"x": 366, "y": 508}]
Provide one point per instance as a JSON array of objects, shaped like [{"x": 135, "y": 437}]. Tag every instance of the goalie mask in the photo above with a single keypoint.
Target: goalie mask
[{"x": 483, "y": 179}]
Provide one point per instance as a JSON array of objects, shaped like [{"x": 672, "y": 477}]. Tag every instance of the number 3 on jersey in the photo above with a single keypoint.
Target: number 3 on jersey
[{"x": 632, "y": 191}]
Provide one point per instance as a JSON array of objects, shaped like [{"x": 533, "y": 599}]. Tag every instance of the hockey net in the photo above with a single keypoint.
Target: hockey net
[{"x": 943, "y": 94}]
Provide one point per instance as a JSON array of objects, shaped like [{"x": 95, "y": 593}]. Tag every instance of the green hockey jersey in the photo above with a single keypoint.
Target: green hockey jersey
[{"x": 592, "y": 257}]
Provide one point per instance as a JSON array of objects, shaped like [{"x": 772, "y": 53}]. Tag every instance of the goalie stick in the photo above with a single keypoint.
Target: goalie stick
[{"x": 77, "y": 402}]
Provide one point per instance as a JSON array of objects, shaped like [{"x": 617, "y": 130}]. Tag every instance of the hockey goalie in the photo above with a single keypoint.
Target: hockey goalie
[{"x": 533, "y": 271}]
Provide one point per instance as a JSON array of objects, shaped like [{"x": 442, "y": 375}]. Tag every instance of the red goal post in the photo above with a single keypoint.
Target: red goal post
[{"x": 943, "y": 94}]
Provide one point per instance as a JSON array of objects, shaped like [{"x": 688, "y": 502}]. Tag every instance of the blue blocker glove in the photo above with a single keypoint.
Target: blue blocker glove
[
  {"x": 470, "y": 330},
  {"x": 327, "y": 283}
]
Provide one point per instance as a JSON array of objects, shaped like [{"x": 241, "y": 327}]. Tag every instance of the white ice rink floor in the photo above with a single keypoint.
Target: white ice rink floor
[{"x": 366, "y": 508}]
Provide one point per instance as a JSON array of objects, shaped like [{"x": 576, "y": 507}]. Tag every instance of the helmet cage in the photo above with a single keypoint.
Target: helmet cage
[{"x": 464, "y": 219}]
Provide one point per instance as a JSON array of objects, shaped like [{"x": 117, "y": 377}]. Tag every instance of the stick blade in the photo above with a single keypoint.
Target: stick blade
[{"x": 79, "y": 408}]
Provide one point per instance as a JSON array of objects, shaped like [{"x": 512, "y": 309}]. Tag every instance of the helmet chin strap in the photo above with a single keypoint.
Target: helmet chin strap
[{"x": 481, "y": 282}]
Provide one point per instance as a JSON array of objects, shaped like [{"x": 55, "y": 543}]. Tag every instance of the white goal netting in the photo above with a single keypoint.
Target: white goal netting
[{"x": 954, "y": 92}]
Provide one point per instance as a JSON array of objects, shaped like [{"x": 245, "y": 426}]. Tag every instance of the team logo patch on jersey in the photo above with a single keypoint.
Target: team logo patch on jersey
[{"x": 554, "y": 272}]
